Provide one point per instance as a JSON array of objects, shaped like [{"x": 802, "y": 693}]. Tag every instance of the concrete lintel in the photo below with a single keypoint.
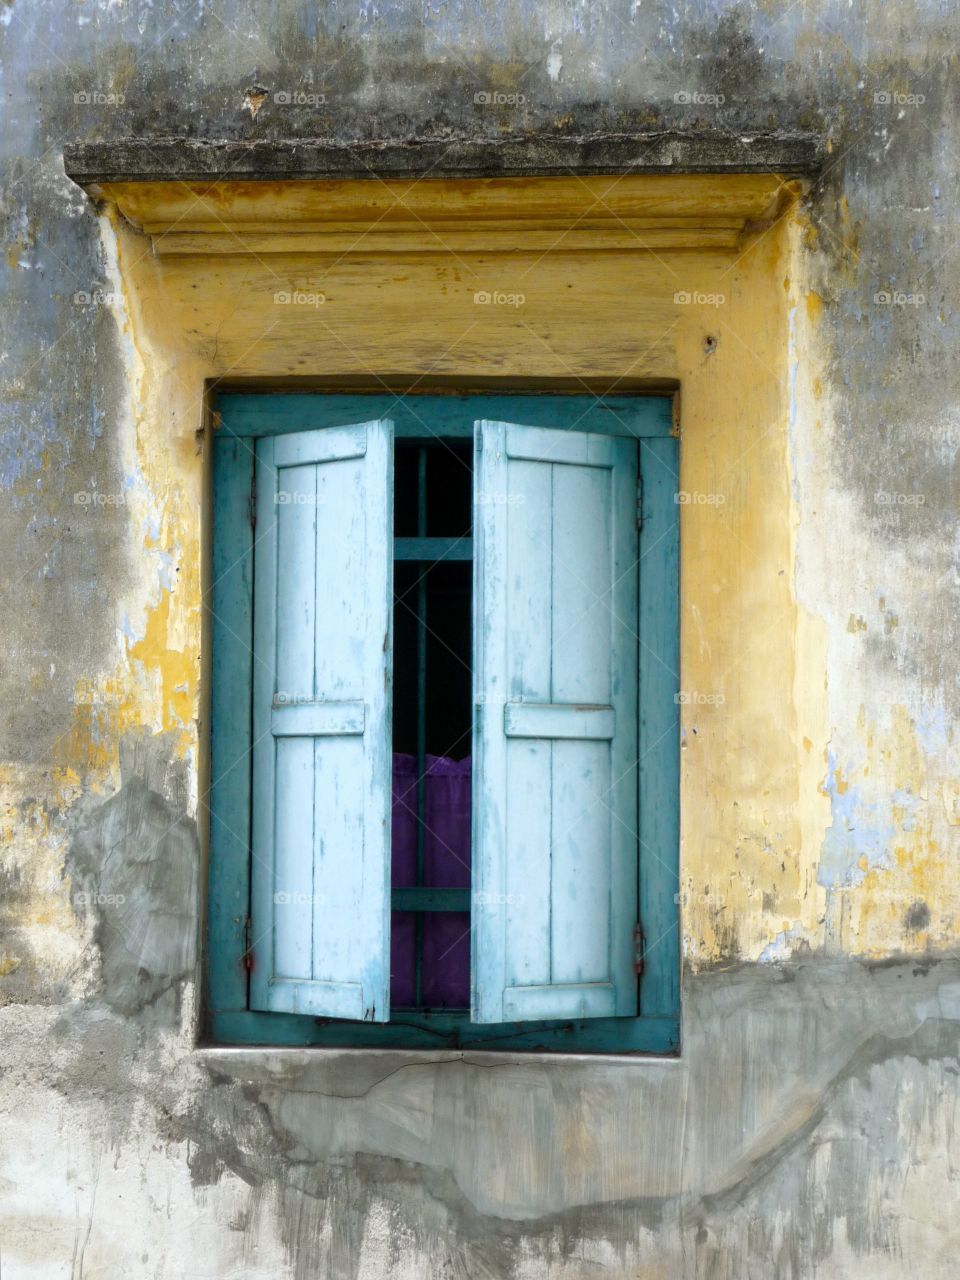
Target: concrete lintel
[{"x": 185, "y": 159}]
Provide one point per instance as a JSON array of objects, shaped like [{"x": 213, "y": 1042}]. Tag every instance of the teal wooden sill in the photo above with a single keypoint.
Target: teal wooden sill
[{"x": 448, "y": 1029}]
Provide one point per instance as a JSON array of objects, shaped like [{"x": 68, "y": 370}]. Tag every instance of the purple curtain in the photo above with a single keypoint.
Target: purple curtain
[{"x": 445, "y": 970}]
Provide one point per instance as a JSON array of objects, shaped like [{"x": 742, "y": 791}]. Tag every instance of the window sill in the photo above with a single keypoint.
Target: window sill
[
  {"x": 254, "y": 1057},
  {"x": 628, "y": 1039}
]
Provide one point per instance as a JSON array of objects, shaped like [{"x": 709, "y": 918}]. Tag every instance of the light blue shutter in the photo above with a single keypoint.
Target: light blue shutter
[
  {"x": 555, "y": 765},
  {"x": 321, "y": 722}
]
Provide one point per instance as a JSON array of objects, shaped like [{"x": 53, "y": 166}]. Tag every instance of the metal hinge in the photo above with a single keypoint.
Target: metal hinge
[
  {"x": 247, "y": 959},
  {"x": 638, "y": 945},
  {"x": 253, "y": 501},
  {"x": 639, "y": 501}
]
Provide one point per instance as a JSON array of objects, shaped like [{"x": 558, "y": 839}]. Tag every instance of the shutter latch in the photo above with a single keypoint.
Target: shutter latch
[{"x": 638, "y": 941}]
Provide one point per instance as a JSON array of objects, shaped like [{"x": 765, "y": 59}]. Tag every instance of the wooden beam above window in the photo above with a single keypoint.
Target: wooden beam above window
[{"x": 357, "y": 218}]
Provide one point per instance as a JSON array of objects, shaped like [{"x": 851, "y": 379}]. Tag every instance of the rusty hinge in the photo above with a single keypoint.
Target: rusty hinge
[
  {"x": 638, "y": 945},
  {"x": 639, "y": 501},
  {"x": 247, "y": 958},
  {"x": 253, "y": 501}
]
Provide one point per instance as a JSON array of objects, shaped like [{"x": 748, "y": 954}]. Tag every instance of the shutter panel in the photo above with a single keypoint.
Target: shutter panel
[
  {"x": 321, "y": 722},
  {"x": 555, "y": 756}
]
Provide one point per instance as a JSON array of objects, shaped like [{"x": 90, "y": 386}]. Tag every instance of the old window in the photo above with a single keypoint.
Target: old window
[{"x": 444, "y": 765}]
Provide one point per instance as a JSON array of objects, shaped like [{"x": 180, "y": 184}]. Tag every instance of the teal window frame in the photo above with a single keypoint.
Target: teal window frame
[{"x": 240, "y": 418}]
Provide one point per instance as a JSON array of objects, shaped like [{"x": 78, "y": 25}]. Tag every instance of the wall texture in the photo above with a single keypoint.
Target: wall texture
[{"x": 809, "y": 1128}]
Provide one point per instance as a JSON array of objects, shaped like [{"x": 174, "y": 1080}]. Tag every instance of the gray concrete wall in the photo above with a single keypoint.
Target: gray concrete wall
[{"x": 810, "y": 1128}]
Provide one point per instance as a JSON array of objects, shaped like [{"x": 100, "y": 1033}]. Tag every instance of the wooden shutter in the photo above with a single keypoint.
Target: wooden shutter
[
  {"x": 321, "y": 722},
  {"x": 555, "y": 763}
]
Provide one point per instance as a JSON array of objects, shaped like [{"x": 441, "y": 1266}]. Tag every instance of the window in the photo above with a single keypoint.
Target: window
[{"x": 444, "y": 728}]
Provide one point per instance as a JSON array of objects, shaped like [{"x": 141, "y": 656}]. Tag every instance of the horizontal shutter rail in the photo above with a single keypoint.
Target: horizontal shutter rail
[
  {"x": 316, "y": 719},
  {"x": 558, "y": 720},
  {"x": 339, "y": 999},
  {"x": 423, "y": 898},
  {"x": 335, "y": 444},
  {"x": 433, "y": 548},
  {"x": 535, "y": 444},
  {"x": 556, "y": 1000}
]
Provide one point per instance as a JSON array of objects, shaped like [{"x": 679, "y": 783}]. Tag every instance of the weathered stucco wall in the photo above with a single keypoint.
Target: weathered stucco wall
[{"x": 809, "y": 1128}]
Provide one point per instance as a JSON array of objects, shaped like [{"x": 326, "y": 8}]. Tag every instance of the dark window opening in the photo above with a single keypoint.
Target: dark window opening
[{"x": 432, "y": 725}]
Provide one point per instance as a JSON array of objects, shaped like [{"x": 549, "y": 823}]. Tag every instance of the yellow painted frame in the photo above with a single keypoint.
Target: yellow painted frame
[{"x": 623, "y": 284}]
